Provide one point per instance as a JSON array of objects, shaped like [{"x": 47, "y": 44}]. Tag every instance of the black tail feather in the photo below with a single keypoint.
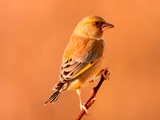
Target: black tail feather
[
  {"x": 54, "y": 97},
  {"x": 59, "y": 87}
]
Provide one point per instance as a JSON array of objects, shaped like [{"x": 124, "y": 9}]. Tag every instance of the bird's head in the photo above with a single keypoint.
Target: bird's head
[{"x": 92, "y": 26}]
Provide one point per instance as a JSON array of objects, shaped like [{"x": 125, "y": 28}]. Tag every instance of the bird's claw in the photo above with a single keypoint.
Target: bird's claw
[
  {"x": 105, "y": 73},
  {"x": 82, "y": 106},
  {"x": 105, "y": 76}
]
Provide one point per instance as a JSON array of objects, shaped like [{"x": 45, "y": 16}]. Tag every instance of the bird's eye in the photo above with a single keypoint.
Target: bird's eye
[{"x": 96, "y": 23}]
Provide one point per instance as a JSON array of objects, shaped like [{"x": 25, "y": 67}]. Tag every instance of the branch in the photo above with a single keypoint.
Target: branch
[{"x": 104, "y": 73}]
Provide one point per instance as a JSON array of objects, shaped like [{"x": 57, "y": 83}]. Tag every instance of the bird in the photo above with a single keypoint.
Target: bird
[{"x": 83, "y": 57}]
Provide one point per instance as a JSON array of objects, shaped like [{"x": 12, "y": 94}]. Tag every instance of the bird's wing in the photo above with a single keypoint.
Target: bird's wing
[{"x": 74, "y": 67}]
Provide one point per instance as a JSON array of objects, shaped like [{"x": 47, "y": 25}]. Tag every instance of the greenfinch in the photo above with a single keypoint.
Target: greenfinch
[{"x": 83, "y": 57}]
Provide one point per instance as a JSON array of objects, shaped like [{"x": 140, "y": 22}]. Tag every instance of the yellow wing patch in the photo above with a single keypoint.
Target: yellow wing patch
[{"x": 84, "y": 69}]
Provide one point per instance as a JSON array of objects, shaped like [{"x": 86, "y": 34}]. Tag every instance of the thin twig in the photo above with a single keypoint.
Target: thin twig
[{"x": 104, "y": 73}]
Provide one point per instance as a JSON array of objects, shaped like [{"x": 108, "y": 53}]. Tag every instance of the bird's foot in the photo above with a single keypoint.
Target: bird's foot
[
  {"x": 105, "y": 73},
  {"x": 82, "y": 106}
]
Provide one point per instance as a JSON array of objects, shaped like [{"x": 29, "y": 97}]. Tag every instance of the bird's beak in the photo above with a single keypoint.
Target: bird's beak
[{"x": 106, "y": 26}]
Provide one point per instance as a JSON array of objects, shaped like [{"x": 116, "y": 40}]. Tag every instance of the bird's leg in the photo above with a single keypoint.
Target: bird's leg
[{"x": 82, "y": 106}]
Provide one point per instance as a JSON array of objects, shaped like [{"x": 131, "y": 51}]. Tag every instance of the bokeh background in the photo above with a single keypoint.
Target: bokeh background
[{"x": 33, "y": 36}]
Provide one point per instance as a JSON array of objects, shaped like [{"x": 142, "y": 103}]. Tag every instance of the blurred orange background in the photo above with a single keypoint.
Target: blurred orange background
[{"x": 33, "y": 36}]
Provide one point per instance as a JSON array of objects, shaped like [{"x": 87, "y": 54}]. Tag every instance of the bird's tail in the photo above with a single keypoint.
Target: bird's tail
[
  {"x": 54, "y": 97},
  {"x": 59, "y": 87}
]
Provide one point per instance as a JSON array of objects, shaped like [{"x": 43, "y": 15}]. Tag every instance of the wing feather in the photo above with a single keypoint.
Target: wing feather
[{"x": 74, "y": 67}]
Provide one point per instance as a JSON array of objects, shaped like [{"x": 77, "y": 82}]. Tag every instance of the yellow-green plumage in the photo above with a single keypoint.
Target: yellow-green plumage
[
  {"x": 94, "y": 64},
  {"x": 83, "y": 56}
]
